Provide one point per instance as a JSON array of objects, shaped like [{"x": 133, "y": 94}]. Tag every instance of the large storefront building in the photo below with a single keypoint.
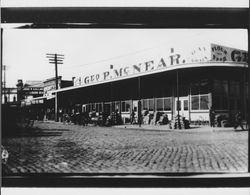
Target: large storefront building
[{"x": 186, "y": 81}]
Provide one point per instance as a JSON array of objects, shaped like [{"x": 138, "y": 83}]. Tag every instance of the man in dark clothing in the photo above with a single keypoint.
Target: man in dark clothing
[
  {"x": 132, "y": 117},
  {"x": 238, "y": 121},
  {"x": 211, "y": 117}
]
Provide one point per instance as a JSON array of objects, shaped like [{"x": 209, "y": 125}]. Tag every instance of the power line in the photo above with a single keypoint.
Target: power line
[{"x": 131, "y": 53}]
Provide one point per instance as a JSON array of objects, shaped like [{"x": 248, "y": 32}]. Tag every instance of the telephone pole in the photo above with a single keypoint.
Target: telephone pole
[
  {"x": 4, "y": 68},
  {"x": 55, "y": 59}
]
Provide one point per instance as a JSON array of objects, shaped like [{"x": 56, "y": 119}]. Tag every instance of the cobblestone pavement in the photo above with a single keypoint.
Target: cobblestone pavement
[{"x": 75, "y": 149}]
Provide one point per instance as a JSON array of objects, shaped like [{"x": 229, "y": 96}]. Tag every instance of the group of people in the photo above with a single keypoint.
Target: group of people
[
  {"x": 238, "y": 119},
  {"x": 85, "y": 118}
]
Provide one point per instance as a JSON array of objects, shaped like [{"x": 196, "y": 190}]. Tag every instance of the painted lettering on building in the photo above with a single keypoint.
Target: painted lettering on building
[
  {"x": 227, "y": 54},
  {"x": 197, "y": 55}
]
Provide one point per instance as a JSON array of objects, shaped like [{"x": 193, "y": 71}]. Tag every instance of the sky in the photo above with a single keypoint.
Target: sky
[{"x": 89, "y": 50}]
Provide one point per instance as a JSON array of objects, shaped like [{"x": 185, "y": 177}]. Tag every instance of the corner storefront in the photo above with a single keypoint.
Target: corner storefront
[{"x": 184, "y": 81}]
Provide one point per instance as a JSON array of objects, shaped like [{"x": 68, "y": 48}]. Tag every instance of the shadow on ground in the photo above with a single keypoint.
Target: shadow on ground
[{"x": 33, "y": 132}]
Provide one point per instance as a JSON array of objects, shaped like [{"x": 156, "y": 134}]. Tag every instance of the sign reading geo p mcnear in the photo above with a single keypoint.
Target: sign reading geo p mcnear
[{"x": 165, "y": 60}]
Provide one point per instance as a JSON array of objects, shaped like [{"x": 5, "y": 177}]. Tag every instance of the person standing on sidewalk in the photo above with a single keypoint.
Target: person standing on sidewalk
[
  {"x": 238, "y": 121},
  {"x": 132, "y": 117},
  {"x": 211, "y": 117}
]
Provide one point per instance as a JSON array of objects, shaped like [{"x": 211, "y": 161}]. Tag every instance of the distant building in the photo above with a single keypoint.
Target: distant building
[
  {"x": 28, "y": 91},
  {"x": 49, "y": 96},
  {"x": 9, "y": 95},
  {"x": 50, "y": 85}
]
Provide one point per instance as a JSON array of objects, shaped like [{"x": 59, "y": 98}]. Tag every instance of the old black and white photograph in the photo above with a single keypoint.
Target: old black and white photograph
[
  {"x": 124, "y": 93},
  {"x": 124, "y": 101}
]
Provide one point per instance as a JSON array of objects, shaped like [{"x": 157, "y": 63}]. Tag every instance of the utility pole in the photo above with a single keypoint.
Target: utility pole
[
  {"x": 178, "y": 100},
  {"x": 4, "y": 83},
  {"x": 55, "y": 59},
  {"x": 139, "y": 102}
]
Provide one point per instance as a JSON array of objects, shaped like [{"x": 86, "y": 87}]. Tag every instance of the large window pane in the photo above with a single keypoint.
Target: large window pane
[
  {"x": 185, "y": 102},
  {"x": 224, "y": 102},
  {"x": 217, "y": 87},
  {"x": 195, "y": 103},
  {"x": 145, "y": 105},
  {"x": 93, "y": 106},
  {"x": 178, "y": 105},
  {"x": 123, "y": 106},
  {"x": 127, "y": 106},
  {"x": 159, "y": 104},
  {"x": 151, "y": 104},
  {"x": 225, "y": 88},
  {"x": 234, "y": 88},
  {"x": 117, "y": 106},
  {"x": 167, "y": 104},
  {"x": 204, "y": 102},
  {"x": 113, "y": 107}
]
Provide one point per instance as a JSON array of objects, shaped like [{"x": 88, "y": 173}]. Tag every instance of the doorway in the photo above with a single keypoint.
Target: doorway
[{"x": 183, "y": 106}]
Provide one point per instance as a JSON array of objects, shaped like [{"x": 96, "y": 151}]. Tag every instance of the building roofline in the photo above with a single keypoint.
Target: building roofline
[{"x": 175, "y": 67}]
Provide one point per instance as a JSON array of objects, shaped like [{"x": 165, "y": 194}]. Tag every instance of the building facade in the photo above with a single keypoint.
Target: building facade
[
  {"x": 174, "y": 81},
  {"x": 49, "y": 95}
]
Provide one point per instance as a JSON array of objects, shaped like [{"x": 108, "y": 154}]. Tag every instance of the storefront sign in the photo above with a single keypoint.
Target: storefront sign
[
  {"x": 166, "y": 61},
  {"x": 49, "y": 87},
  {"x": 227, "y": 54}
]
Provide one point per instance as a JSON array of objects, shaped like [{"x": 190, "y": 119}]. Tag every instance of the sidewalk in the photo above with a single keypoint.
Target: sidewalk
[{"x": 166, "y": 128}]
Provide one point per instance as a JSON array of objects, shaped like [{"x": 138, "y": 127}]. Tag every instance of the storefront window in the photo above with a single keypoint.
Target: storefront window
[
  {"x": 167, "y": 104},
  {"x": 151, "y": 104},
  {"x": 246, "y": 89},
  {"x": 195, "y": 103},
  {"x": 225, "y": 88},
  {"x": 234, "y": 88},
  {"x": 232, "y": 104},
  {"x": 178, "y": 105},
  {"x": 217, "y": 87},
  {"x": 203, "y": 102},
  {"x": 145, "y": 105},
  {"x": 113, "y": 107},
  {"x": 159, "y": 104},
  {"x": 92, "y": 106},
  {"x": 185, "y": 104},
  {"x": 88, "y": 108},
  {"x": 224, "y": 100},
  {"x": 99, "y": 107},
  {"x": 107, "y": 108},
  {"x": 125, "y": 106},
  {"x": 117, "y": 106}
]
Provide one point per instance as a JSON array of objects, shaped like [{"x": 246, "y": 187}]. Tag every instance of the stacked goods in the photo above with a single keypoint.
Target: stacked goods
[
  {"x": 156, "y": 118},
  {"x": 183, "y": 124},
  {"x": 163, "y": 120},
  {"x": 146, "y": 119},
  {"x": 116, "y": 118}
]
